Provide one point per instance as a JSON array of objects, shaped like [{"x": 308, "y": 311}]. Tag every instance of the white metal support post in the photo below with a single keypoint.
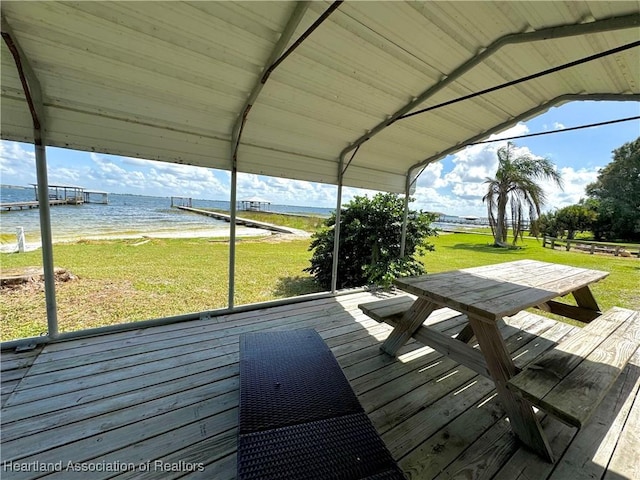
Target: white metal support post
[
  {"x": 405, "y": 215},
  {"x": 47, "y": 245},
  {"x": 274, "y": 60}
]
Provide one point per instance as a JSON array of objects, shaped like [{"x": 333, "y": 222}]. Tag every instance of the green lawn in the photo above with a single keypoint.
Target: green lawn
[{"x": 128, "y": 280}]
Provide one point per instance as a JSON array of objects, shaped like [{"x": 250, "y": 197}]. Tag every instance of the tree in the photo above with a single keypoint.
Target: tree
[
  {"x": 515, "y": 187},
  {"x": 575, "y": 218},
  {"x": 616, "y": 195},
  {"x": 370, "y": 231}
]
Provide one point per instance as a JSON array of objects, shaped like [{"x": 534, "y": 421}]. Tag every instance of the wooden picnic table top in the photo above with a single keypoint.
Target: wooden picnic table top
[{"x": 495, "y": 291}]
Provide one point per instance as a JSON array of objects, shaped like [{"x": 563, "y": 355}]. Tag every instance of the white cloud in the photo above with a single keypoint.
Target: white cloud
[
  {"x": 518, "y": 129},
  {"x": 477, "y": 162},
  {"x": 147, "y": 177},
  {"x": 65, "y": 176},
  {"x": 474, "y": 164},
  {"x": 432, "y": 200},
  {"x": 17, "y": 164},
  {"x": 135, "y": 161},
  {"x": 432, "y": 177},
  {"x": 558, "y": 126},
  {"x": 465, "y": 185},
  {"x": 289, "y": 192},
  {"x": 575, "y": 182}
]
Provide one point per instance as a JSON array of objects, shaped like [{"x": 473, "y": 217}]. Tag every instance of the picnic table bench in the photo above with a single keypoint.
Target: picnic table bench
[{"x": 569, "y": 381}]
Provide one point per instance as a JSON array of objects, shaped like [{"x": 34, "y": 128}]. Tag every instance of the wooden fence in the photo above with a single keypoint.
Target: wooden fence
[{"x": 616, "y": 249}]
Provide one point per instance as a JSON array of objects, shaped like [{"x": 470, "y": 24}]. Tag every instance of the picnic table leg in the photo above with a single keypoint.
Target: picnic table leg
[
  {"x": 584, "y": 298},
  {"x": 587, "y": 308},
  {"x": 466, "y": 334},
  {"x": 523, "y": 420},
  {"x": 407, "y": 326}
]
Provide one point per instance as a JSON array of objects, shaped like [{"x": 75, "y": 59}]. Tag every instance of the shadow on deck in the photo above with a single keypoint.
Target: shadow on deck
[{"x": 162, "y": 402}]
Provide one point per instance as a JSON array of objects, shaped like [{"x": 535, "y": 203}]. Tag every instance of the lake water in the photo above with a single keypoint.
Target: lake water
[
  {"x": 135, "y": 216},
  {"x": 125, "y": 215}
]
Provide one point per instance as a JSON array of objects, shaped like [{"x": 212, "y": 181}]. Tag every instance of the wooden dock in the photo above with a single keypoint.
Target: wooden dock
[
  {"x": 239, "y": 221},
  {"x": 60, "y": 195},
  {"x": 36, "y": 204},
  {"x": 168, "y": 395}
]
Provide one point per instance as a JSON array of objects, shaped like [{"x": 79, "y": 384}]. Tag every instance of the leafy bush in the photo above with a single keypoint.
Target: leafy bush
[
  {"x": 370, "y": 231},
  {"x": 547, "y": 224}
]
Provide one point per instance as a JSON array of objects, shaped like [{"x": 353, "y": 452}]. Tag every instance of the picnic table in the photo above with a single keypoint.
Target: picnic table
[{"x": 486, "y": 295}]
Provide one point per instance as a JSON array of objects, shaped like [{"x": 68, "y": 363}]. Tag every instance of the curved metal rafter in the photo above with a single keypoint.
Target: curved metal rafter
[
  {"x": 276, "y": 58},
  {"x": 598, "y": 26},
  {"x": 533, "y": 76},
  {"x": 28, "y": 78},
  {"x": 272, "y": 61},
  {"x": 615, "y": 23},
  {"x": 563, "y": 130}
]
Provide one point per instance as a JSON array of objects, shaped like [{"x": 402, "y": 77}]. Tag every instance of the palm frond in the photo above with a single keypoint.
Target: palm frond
[{"x": 516, "y": 186}]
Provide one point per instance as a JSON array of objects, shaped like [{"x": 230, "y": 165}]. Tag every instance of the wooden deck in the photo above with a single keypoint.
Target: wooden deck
[{"x": 163, "y": 401}]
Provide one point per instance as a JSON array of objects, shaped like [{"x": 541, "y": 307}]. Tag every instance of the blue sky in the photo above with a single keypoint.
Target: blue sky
[{"x": 454, "y": 185}]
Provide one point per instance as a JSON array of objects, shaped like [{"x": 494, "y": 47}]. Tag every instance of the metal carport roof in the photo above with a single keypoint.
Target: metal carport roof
[
  {"x": 168, "y": 80},
  {"x": 207, "y": 83}
]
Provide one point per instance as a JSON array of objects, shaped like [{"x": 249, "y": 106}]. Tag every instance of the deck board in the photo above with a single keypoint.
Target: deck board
[
  {"x": 170, "y": 394},
  {"x": 13, "y": 368}
]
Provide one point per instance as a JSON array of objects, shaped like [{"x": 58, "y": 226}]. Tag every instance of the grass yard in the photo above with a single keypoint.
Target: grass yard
[{"x": 129, "y": 280}]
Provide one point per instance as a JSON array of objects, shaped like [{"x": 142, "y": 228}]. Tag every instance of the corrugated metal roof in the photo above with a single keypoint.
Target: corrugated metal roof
[{"x": 168, "y": 80}]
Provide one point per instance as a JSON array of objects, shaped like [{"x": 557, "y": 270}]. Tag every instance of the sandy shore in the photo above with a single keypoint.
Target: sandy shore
[{"x": 205, "y": 233}]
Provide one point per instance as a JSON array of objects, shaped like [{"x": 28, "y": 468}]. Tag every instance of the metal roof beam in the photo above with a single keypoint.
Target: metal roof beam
[
  {"x": 334, "y": 6},
  {"x": 610, "y": 24},
  {"x": 28, "y": 78},
  {"x": 523, "y": 116},
  {"x": 287, "y": 33},
  {"x": 34, "y": 97},
  {"x": 517, "y": 81},
  {"x": 277, "y": 56},
  {"x": 236, "y": 134}
]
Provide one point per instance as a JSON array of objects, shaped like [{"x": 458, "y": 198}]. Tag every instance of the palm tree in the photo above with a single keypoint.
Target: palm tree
[{"x": 515, "y": 185}]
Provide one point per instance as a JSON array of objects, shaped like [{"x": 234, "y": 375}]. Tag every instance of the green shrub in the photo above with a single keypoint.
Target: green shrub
[{"x": 370, "y": 233}]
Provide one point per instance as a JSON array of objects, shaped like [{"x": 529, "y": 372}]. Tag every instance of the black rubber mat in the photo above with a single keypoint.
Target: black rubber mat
[
  {"x": 288, "y": 378},
  {"x": 346, "y": 447},
  {"x": 299, "y": 417}
]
